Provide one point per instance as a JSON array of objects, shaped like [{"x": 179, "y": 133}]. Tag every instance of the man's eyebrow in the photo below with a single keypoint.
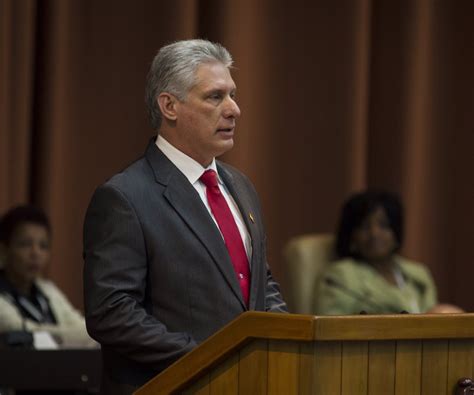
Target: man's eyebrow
[
  {"x": 219, "y": 90},
  {"x": 213, "y": 90}
]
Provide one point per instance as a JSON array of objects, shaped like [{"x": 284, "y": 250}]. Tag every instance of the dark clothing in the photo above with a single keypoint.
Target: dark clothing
[
  {"x": 158, "y": 278},
  {"x": 34, "y": 306}
]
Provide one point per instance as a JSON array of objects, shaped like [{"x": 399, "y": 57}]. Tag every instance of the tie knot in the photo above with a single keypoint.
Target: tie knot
[{"x": 209, "y": 178}]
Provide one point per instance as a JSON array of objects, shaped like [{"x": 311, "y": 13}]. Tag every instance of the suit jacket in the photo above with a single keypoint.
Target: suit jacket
[
  {"x": 354, "y": 286},
  {"x": 157, "y": 277}
]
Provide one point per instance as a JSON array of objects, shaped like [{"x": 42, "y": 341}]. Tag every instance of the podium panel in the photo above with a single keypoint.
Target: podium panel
[{"x": 263, "y": 353}]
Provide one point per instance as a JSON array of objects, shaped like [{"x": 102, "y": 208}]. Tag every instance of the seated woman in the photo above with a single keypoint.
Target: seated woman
[
  {"x": 370, "y": 277},
  {"x": 26, "y": 300}
]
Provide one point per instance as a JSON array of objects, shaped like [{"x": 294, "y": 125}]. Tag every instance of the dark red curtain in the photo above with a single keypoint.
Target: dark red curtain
[{"x": 336, "y": 96}]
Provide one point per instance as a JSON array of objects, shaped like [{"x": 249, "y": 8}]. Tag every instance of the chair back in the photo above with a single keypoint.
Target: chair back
[{"x": 306, "y": 257}]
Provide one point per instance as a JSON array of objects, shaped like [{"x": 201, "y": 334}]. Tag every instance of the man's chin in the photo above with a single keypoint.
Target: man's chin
[{"x": 224, "y": 146}]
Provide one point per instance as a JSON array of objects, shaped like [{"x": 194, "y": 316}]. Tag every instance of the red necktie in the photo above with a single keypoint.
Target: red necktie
[{"x": 229, "y": 230}]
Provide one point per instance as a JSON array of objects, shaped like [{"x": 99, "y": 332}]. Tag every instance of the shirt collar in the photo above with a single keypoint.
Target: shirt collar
[{"x": 185, "y": 164}]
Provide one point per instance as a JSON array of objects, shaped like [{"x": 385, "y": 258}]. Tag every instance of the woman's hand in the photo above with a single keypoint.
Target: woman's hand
[{"x": 444, "y": 308}]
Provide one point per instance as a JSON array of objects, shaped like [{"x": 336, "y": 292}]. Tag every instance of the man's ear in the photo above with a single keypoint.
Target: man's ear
[{"x": 167, "y": 103}]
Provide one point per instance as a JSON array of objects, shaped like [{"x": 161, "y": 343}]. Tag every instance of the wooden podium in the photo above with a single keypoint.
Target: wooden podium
[{"x": 265, "y": 353}]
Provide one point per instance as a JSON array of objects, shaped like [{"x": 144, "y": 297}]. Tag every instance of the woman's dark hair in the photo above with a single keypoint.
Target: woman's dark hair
[
  {"x": 18, "y": 216},
  {"x": 355, "y": 211}
]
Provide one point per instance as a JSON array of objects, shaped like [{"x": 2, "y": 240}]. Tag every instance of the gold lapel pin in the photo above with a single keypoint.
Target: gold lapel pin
[{"x": 251, "y": 218}]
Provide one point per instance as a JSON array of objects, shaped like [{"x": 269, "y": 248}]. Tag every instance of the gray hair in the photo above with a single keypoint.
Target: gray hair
[{"x": 173, "y": 70}]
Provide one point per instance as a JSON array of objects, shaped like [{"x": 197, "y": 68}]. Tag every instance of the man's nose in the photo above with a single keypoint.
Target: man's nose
[{"x": 231, "y": 109}]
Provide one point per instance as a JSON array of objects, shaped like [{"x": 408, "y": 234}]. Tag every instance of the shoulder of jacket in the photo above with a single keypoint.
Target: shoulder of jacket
[
  {"x": 6, "y": 299},
  {"x": 230, "y": 170},
  {"x": 415, "y": 270},
  {"x": 345, "y": 270},
  {"x": 345, "y": 264},
  {"x": 48, "y": 288}
]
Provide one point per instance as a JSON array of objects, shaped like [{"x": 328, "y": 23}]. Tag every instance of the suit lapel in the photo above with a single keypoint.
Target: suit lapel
[
  {"x": 186, "y": 202},
  {"x": 241, "y": 198}
]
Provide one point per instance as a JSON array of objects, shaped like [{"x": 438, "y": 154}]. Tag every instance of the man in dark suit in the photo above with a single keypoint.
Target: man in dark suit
[{"x": 174, "y": 245}]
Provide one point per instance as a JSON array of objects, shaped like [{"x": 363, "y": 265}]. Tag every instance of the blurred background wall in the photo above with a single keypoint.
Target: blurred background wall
[{"x": 336, "y": 96}]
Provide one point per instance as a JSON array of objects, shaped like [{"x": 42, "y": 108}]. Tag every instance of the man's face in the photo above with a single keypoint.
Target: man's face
[{"x": 205, "y": 120}]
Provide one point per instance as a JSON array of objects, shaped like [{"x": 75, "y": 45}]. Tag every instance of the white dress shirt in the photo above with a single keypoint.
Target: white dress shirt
[{"x": 193, "y": 171}]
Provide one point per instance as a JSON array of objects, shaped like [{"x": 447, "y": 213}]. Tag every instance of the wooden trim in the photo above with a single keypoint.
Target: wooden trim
[{"x": 394, "y": 327}]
